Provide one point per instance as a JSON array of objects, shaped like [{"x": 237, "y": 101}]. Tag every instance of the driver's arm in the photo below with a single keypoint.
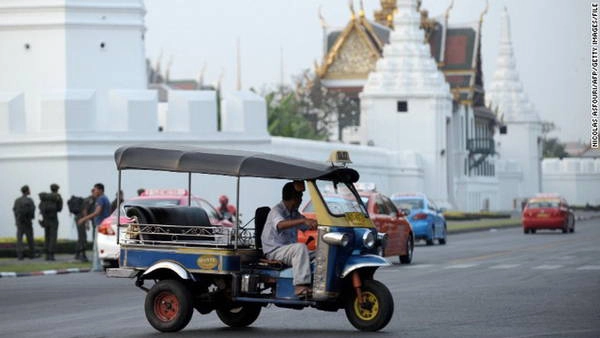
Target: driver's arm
[{"x": 291, "y": 223}]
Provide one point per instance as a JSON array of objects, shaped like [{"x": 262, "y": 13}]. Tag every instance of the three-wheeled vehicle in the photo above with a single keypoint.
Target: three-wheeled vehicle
[{"x": 196, "y": 265}]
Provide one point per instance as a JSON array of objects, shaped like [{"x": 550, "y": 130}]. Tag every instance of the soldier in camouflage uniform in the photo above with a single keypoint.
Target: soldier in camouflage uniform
[
  {"x": 50, "y": 205},
  {"x": 24, "y": 211}
]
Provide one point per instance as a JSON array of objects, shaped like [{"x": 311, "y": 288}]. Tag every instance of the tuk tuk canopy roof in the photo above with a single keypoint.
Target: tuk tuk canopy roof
[{"x": 227, "y": 162}]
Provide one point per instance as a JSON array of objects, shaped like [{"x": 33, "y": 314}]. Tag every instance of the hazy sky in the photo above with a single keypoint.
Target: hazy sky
[{"x": 550, "y": 38}]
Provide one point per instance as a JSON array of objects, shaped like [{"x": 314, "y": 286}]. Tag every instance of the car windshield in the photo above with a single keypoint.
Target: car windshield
[
  {"x": 543, "y": 204},
  {"x": 408, "y": 203},
  {"x": 342, "y": 200}
]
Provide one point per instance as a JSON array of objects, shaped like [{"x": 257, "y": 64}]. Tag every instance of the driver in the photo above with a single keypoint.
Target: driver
[{"x": 279, "y": 237}]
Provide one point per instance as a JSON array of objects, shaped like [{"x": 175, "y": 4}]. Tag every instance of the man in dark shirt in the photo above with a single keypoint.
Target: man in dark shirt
[{"x": 24, "y": 210}]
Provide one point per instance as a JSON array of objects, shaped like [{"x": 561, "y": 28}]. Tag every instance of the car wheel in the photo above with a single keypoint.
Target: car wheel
[
  {"x": 572, "y": 223},
  {"x": 533, "y": 231},
  {"x": 429, "y": 239},
  {"x": 565, "y": 228},
  {"x": 240, "y": 316},
  {"x": 410, "y": 247},
  {"x": 442, "y": 241},
  {"x": 374, "y": 311},
  {"x": 168, "y": 306},
  {"x": 525, "y": 231}
]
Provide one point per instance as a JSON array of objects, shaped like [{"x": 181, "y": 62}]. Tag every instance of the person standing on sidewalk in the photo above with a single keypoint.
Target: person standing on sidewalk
[
  {"x": 102, "y": 206},
  {"x": 24, "y": 210},
  {"x": 50, "y": 205}
]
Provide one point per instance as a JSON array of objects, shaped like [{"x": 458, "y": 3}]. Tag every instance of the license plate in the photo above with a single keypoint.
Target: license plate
[{"x": 543, "y": 215}]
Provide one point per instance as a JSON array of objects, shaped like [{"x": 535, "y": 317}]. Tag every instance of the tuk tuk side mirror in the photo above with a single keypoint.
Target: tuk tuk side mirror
[{"x": 403, "y": 212}]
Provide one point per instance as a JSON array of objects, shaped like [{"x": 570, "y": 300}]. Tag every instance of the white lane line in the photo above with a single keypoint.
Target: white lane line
[
  {"x": 589, "y": 267},
  {"x": 505, "y": 266},
  {"x": 420, "y": 266},
  {"x": 548, "y": 267},
  {"x": 460, "y": 266}
]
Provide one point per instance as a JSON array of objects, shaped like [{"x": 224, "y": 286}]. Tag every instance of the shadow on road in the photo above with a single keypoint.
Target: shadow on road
[{"x": 269, "y": 332}]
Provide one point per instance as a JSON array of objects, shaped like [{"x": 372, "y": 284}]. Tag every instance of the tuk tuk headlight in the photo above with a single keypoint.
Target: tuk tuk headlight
[
  {"x": 368, "y": 240},
  {"x": 336, "y": 238}
]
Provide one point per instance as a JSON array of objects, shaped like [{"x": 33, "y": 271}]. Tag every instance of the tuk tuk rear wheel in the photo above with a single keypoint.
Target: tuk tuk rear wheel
[
  {"x": 374, "y": 311},
  {"x": 168, "y": 306},
  {"x": 240, "y": 316}
]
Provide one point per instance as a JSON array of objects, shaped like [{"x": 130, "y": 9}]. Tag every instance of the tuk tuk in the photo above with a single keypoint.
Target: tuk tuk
[{"x": 195, "y": 265}]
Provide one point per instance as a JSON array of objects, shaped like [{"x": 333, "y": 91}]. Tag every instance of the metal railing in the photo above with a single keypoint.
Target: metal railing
[
  {"x": 185, "y": 236},
  {"x": 481, "y": 145}
]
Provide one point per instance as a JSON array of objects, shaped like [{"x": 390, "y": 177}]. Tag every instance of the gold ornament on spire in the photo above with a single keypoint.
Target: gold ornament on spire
[{"x": 385, "y": 16}]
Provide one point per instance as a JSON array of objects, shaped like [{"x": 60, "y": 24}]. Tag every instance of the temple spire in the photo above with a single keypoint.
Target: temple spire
[
  {"x": 506, "y": 92},
  {"x": 407, "y": 66},
  {"x": 238, "y": 82}
]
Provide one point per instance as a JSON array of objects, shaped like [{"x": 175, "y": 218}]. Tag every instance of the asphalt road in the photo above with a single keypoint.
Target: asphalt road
[{"x": 487, "y": 284}]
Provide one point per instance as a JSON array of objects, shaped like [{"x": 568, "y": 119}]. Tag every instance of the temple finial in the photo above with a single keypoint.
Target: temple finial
[
  {"x": 351, "y": 4},
  {"x": 324, "y": 24},
  {"x": 361, "y": 13},
  {"x": 485, "y": 10},
  {"x": 447, "y": 13}
]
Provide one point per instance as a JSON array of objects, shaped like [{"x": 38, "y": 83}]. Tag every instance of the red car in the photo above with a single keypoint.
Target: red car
[
  {"x": 387, "y": 219},
  {"x": 548, "y": 212}
]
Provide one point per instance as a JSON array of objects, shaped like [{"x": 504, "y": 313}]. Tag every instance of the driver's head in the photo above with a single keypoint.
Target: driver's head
[{"x": 290, "y": 194}]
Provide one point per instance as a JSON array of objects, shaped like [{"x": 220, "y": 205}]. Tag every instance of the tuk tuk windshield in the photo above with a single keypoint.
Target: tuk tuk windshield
[{"x": 341, "y": 198}]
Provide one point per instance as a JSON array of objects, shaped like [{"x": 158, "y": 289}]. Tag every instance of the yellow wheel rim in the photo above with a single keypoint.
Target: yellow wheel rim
[{"x": 368, "y": 312}]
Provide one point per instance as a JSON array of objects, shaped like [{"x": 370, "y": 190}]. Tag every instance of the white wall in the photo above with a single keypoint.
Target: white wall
[
  {"x": 577, "y": 179},
  {"x": 521, "y": 143},
  {"x": 421, "y": 130}
]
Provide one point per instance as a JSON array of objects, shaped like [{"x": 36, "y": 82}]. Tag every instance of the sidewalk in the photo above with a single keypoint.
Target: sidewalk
[
  {"x": 64, "y": 263},
  {"x": 457, "y": 227}
]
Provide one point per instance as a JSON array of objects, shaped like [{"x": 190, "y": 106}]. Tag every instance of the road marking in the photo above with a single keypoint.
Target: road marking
[
  {"x": 589, "y": 267},
  {"x": 547, "y": 267},
  {"x": 420, "y": 266},
  {"x": 504, "y": 266},
  {"x": 460, "y": 266}
]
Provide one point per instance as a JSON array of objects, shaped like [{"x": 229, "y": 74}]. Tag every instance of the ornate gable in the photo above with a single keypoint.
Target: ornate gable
[{"x": 354, "y": 53}]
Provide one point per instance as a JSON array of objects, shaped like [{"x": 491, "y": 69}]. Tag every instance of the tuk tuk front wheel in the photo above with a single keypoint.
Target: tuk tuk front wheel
[
  {"x": 240, "y": 316},
  {"x": 168, "y": 306},
  {"x": 374, "y": 311}
]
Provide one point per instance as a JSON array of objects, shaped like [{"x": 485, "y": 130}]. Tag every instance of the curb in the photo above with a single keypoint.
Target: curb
[
  {"x": 484, "y": 228},
  {"x": 516, "y": 225},
  {"x": 44, "y": 273}
]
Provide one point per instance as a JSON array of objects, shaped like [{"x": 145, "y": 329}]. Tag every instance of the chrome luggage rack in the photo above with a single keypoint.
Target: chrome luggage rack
[{"x": 186, "y": 236}]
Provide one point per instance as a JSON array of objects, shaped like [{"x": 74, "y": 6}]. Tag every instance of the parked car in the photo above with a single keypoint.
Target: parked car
[
  {"x": 108, "y": 250},
  {"x": 387, "y": 220},
  {"x": 426, "y": 218},
  {"x": 547, "y": 211}
]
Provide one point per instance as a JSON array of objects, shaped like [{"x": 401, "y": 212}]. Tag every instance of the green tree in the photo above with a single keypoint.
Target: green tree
[
  {"x": 553, "y": 148},
  {"x": 284, "y": 118}
]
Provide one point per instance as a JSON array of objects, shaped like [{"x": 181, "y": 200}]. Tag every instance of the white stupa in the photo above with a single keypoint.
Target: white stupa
[
  {"x": 406, "y": 100},
  {"x": 507, "y": 92},
  {"x": 523, "y": 141}
]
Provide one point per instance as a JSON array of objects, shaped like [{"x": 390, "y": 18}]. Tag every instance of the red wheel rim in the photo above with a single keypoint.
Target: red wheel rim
[{"x": 166, "y": 306}]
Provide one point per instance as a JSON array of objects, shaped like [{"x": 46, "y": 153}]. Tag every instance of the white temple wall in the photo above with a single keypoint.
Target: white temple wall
[
  {"x": 510, "y": 176},
  {"x": 522, "y": 144},
  {"x": 422, "y": 130},
  {"x": 477, "y": 193},
  {"x": 576, "y": 179}
]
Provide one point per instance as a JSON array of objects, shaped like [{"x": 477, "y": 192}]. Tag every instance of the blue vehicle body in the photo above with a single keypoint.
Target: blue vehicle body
[{"x": 427, "y": 220}]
